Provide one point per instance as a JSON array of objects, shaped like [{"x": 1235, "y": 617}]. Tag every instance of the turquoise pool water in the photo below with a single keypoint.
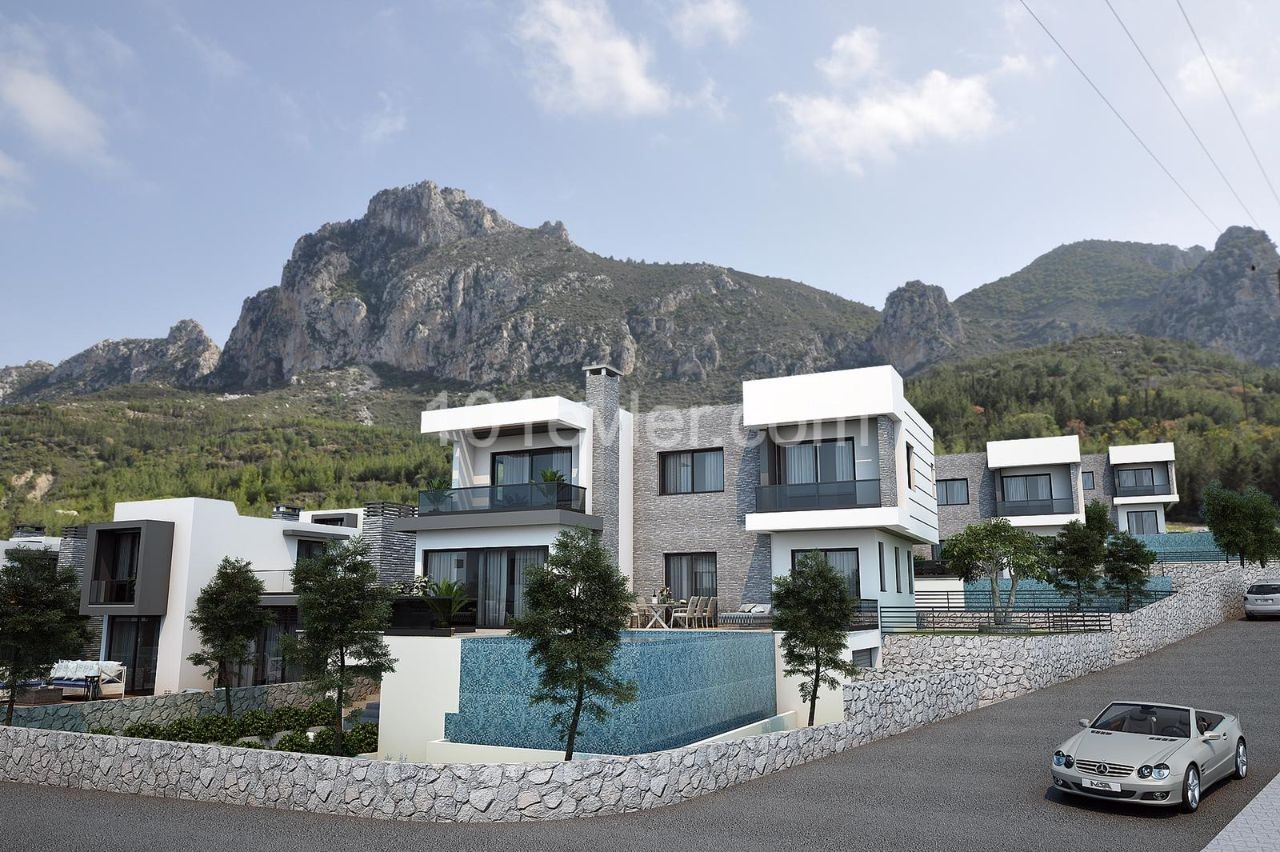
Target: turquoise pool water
[
  {"x": 691, "y": 685},
  {"x": 977, "y": 594}
]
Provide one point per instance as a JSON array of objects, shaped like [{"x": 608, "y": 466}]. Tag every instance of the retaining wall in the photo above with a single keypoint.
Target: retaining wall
[
  {"x": 117, "y": 713},
  {"x": 875, "y": 707}
]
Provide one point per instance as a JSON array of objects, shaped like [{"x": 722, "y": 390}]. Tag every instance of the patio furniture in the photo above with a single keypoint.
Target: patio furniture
[
  {"x": 73, "y": 676},
  {"x": 691, "y": 614},
  {"x": 749, "y": 616},
  {"x": 711, "y": 613},
  {"x": 657, "y": 614}
]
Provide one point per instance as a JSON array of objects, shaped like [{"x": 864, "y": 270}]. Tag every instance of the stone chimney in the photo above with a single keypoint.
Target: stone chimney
[
  {"x": 606, "y": 460},
  {"x": 71, "y": 554},
  {"x": 390, "y": 550}
]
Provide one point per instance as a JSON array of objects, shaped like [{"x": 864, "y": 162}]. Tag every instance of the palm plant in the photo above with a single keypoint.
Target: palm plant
[
  {"x": 437, "y": 492},
  {"x": 448, "y": 598}
]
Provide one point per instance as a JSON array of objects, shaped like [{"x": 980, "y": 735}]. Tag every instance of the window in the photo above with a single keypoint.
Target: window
[
  {"x": 310, "y": 549},
  {"x": 691, "y": 575},
  {"x": 1135, "y": 477},
  {"x": 884, "y": 586},
  {"x": 837, "y": 460},
  {"x": 897, "y": 567},
  {"x": 115, "y": 566},
  {"x": 1019, "y": 489},
  {"x": 911, "y": 467},
  {"x": 1086, "y": 477},
  {"x": 495, "y": 578},
  {"x": 844, "y": 560},
  {"x": 134, "y": 641},
  {"x": 911, "y": 572},
  {"x": 864, "y": 658},
  {"x": 524, "y": 466},
  {"x": 1142, "y": 523},
  {"x": 953, "y": 492},
  {"x": 691, "y": 471},
  {"x": 438, "y": 565}
]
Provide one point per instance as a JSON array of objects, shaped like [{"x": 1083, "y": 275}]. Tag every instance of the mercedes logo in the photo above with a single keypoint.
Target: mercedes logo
[{"x": 1103, "y": 769}]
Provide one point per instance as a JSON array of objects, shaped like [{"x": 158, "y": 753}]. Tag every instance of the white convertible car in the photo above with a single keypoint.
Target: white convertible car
[{"x": 1151, "y": 754}]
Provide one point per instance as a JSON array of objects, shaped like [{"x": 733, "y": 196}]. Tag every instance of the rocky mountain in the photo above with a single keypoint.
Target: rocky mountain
[
  {"x": 432, "y": 282},
  {"x": 181, "y": 359},
  {"x": 919, "y": 327}
]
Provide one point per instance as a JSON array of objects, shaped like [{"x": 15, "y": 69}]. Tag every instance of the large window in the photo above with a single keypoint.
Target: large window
[
  {"x": 1135, "y": 476},
  {"x": 495, "y": 578},
  {"x": 691, "y": 575},
  {"x": 1143, "y": 523},
  {"x": 524, "y": 466},
  {"x": 839, "y": 460},
  {"x": 953, "y": 492},
  {"x": 134, "y": 642},
  {"x": 310, "y": 549},
  {"x": 115, "y": 566},
  {"x": 691, "y": 471},
  {"x": 451, "y": 565},
  {"x": 1086, "y": 478},
  {"x": 267, "y": 662},
  {"x": 1028, "y": 487},
  {"x": 845, "y": 562}
]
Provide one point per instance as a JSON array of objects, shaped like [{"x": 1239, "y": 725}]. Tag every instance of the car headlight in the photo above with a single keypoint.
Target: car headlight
[
  {"x": 1068, "y": 761},
  {"x": 1144, "y": 771},
  {"x": 1161, "y": 771},
  {"x": 1059, "y": 759}
]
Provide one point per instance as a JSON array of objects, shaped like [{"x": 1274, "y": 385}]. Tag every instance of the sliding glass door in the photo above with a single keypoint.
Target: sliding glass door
[
  {"x": 134, "y": 642},
  {"x": 495, "y": 578}
]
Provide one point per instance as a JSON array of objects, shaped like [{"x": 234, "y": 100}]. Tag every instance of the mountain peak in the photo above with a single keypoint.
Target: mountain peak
[
  {"x": 918, "y": 327},
  {"x": 430, "y": 215}
]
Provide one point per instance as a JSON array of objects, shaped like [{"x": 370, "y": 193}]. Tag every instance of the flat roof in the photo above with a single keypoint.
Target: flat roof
[
  {"x": 552, "y": 410},
  {"x": 1027, "y": 452},
  {"x": 1137, "y": 453},
  {"x": 817, "y": 397}
]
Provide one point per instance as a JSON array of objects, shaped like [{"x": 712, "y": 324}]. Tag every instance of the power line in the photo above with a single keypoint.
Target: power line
[
  {"x": 1117, "y": 114},
  {"x": 1222, "y": 89},
  {"x": 1182, "y": 115}
]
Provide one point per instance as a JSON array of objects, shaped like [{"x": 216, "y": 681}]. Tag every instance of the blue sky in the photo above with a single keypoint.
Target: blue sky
[{"x": 158, "y": 160}]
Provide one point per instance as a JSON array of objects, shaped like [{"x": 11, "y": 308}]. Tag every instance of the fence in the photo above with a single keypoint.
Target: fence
[
  {"x": 977, "y": 598},
  {"x": 927, "y": 619}
]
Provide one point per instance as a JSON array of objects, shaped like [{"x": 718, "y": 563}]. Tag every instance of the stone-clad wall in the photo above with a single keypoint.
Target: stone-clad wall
[
  {"x": 887, "y": 452},
  {"x": 116, "y": 714},
  {"x": 1008, "y": 666},
  {"x": 683, "y": 523},
  {"x": 71, "y": 554},
  {"x": 982, "y": 491},
  {"x": 875, "y": 708},
  {"x": 606, "y": 473}
]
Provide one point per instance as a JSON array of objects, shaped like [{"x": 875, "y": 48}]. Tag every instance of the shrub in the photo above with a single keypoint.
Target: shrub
[
  {"x": 101, "y": 729},
  {"x": 288, "y": 719},
  {"x": 255, "y": 723},
  {"x": 361, "y": 739},
  {"x": 322, "y": 742},
  {"x": 295, "y": 741},
  {"x": 145, "y": 731},
  {"x": 321, "y": 713}
]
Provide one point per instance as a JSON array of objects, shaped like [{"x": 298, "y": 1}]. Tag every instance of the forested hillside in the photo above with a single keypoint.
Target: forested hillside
[{"x": 1223, "y": 414}]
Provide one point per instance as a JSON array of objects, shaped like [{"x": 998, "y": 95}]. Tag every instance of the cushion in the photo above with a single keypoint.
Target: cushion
[
  {"x": 760, "y": 608},
  {"x": 745, "y": 608}
]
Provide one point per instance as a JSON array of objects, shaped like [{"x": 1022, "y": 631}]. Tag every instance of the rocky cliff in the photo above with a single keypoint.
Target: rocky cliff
[
  {"x": 919, "y": 327},
  {"x": 183, "y": 358}
]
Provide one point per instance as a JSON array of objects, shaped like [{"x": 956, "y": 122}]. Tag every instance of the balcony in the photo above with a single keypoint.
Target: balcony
[
  {"x": 866, "y": 615},
  {"x": 860, "y": 494},
  {"x": 1020, "y": 508},
  {"x": 1143, "y": 490},
  {"x": 111, "y": 591},
  {"x": 503, "y": 498}
]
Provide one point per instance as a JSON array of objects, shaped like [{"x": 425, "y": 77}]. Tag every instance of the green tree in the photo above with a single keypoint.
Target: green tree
[
  {"x": 576, "y": 606},
  {"x": 344, "y": 612},
  {"x": 991, "y": 549},
  {"x": 1243, "y": 523},
  {"x": 228, "y": 617},
  {"x": 1126, "y": 566},
  {"x": 1078, "y": 551},
  {"x": 812, "y": 609},
  {"x": 40, "y": 619}
]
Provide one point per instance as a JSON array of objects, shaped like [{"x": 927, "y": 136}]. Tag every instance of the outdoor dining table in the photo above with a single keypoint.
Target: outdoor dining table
[{"x": 660, "y": 614}]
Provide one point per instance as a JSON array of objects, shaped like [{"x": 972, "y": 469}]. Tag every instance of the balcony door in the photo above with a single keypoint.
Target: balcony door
[
  {"x": 495, "y": 578},
  {"x": 134, "y": 642},
  {"x": 524, "y": 466},
  {"x": 115, "y": 566}
]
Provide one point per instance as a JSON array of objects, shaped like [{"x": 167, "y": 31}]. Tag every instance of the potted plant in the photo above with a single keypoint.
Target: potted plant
[
  {"x": 437, "y": 493},
  {"x": 448, "y": 598},
  {"x": 547, "y": 485}
]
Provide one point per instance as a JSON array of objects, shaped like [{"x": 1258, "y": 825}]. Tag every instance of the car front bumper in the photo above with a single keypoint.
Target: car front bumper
[{"x": 1132, "y": 789}]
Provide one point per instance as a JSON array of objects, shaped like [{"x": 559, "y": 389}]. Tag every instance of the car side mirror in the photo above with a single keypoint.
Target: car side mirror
[
  {"x": 1212, "y": 738},
  {"x": 1084, "y": 723}
]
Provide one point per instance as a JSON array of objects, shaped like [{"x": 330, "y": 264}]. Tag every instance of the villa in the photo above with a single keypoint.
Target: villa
[{"x": 25, "y": 535}]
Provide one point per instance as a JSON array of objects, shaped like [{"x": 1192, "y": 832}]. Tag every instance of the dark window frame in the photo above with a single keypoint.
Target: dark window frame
[
  {"x": 780, "y": 460},
  {"x": 1004, "y": 490},
  {"x": 474, "y": 559},
  {"x": 693, "y": 574},
  {"x": 884, "y": 584},
  {"x": 1087, "y": 480},
  {"x": 911, "y": 465},
  {"x": 942, "y": 487},
  {"x": 1135, "y": 483},
  {"x": 663, "y": 488},
  {"x": 309, "y": 545},
  {"x": 1155, "y": 520},
  {"x": 533, "y": 474},
  {"x": 897, "y": 568},
  {"x": 857, "y": 559}
]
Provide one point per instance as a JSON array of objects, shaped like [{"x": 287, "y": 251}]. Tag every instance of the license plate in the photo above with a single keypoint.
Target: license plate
[{"x": 1101, "y": 785}]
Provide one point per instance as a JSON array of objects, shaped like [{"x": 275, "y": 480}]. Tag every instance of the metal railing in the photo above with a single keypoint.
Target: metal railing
[
  {"x": 866, "y": 615},
  {"x": 111, "y": 591},
  {"x": 1042, "y": 599},
  {"x": 1143, "y": 490},
  {"x": 918, "y": 619},
  {"x": 1019, "y": 508},
  {"x": 854, "y": 494},
  {"x": 503, "y": 498}
]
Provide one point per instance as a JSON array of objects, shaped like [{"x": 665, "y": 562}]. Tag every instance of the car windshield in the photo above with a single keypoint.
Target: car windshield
[
  {"x": 1149, "y": 719},
  {"x": 1265, "y": 589}
]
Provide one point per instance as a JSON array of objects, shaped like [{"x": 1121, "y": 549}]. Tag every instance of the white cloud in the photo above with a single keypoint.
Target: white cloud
[
  {"x": 10, "y": 169},
  {"x": 217, "y": 60},
  {"x": 386, "y": 122},
  {"x": 696, "y": 22},
  {"x": 12, "y": 173},
  {"x": 854, "y": 55},
  {"x": 581, "y": 61},
  {"x": 1250, "y": 90},
  {"x": 52, "y": 116},
  {"x": 848, "y": 130}
]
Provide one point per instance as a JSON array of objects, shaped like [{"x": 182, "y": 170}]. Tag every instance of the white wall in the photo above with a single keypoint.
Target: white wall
[
  {"x": 417, "y": 695},
  {"x": 483, "y": 537},
  {"x": 830, "y": 701},
  {"x": 867, "y": 542},
  {"x": 1122, "y": 514}
]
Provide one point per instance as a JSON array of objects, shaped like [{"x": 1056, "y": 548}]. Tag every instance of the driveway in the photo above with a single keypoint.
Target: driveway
[{"x": 979, "y": 781}]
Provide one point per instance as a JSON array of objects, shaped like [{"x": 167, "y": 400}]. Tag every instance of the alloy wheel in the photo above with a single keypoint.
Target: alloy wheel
[
  {"x": 1193, "y": 788},
  {"x": 1242, "y": 760}
]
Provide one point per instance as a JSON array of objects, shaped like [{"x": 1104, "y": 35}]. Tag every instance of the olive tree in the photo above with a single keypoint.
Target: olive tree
[{"x": 993, "y": 549}]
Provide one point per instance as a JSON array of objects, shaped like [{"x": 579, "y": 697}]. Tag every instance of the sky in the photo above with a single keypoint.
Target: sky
[{"x": 158, "y": 160}]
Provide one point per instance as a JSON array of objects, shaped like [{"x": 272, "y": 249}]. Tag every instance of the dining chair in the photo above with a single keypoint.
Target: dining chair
[{"x": 688, "y": 616}]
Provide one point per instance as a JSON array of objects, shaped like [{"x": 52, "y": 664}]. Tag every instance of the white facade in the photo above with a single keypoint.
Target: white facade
[{"x": 37, "y": 542}]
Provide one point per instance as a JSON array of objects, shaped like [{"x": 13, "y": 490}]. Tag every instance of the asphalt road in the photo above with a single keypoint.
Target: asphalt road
[{"x": 979, "y": 781}]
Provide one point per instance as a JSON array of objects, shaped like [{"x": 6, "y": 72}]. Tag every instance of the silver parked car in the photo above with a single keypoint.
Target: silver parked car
[
  {"x": 1151, "y": 754},
  {"x": 1262, "y": 598}
]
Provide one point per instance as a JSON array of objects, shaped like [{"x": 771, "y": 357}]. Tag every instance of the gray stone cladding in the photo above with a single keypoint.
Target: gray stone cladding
[
  {"x": 876, "y": 707},
  {"x": 391, "y": 551},
  {"x": 71, "y": 554},
  {"x": 886, "y": 440},
  {"x": 982, "y": 491},
  {"x": 606, "y": 473},
  {"x": 1103, "y": 484},
  {"x": 699, "y": 523},
  {"x": 1074, "y": 475},
  {"x": 1008, "y": 666},
  {"x": 118, "y": 713}
]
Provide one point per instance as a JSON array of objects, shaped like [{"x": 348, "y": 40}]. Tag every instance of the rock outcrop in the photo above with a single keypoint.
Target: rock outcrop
[
  {"x": 15, "y": 380},
  {"x": 918, "y": 327}
]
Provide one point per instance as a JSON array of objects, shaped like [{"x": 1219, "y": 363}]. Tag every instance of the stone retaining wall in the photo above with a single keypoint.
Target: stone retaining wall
[
  {"x": 1009, "y": 666},
  {"x": 117, "y": 713},
  {"x": 875, "y": 707}
]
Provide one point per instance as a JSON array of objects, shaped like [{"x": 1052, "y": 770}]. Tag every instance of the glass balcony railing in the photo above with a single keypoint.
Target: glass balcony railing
[
  {"x": 1143, "y": 490},
  {"x": 859, "y": 494},
  {"x": 1018, "y": 508},
  {"x": 503, "y": 498},
  {"x": 111, "y": 591}
]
